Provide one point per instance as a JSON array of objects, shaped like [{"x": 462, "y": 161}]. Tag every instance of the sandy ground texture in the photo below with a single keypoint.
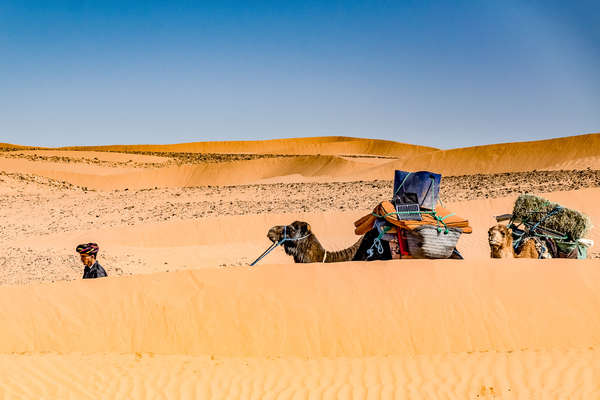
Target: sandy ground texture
[
  {"x": 183, "y": 316},
  {"x": 519, "y": 374},
  {"x": 37, "y": 244},
  {"x": 426, "y": 330}
]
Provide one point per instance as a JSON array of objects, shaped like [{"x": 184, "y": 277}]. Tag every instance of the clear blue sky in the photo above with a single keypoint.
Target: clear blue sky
[{"x": 442, "y": 73}]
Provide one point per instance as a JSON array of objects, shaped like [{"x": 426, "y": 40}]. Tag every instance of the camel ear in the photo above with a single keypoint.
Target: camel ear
[{"x": 307, "y": 227}]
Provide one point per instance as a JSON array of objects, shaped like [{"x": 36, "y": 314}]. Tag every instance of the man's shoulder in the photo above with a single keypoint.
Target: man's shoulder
[{"x": 99, "y": 270}]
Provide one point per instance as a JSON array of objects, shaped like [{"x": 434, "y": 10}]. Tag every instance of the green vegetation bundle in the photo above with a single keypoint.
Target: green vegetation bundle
[{"x": 532, "y": 209}]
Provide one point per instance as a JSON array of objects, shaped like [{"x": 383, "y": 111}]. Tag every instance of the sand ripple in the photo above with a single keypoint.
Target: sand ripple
[{"x": 516, "y": 375}]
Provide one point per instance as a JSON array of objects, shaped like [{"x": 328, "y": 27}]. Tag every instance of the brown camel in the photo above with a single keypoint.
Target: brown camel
[
  {"x": 303, "y": 245},
  {"x": 501, "y": 244}
]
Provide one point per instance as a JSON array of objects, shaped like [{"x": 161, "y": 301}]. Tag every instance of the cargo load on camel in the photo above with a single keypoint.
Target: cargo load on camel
[
  {"x": 555, "y": 231},
  {"x": 412, "y": 225}
]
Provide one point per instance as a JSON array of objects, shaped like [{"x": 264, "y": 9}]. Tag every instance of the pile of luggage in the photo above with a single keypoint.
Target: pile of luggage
[
  {"x": 412, "y": 225},
  {"x": 561, "y": 229}
]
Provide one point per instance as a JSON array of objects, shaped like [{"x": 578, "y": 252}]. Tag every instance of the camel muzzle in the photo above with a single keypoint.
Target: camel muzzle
[{"x": 275, "y": 234}]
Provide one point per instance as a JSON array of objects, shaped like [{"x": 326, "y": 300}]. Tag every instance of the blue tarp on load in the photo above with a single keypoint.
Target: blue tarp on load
[{"x": 422, "y": 188}]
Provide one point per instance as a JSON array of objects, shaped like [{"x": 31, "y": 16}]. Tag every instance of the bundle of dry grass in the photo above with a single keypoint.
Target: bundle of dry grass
[{"x": 532, "y": 209}]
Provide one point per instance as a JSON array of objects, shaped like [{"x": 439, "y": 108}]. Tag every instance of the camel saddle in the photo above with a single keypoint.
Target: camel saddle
[{"x": 387, "y": 211}]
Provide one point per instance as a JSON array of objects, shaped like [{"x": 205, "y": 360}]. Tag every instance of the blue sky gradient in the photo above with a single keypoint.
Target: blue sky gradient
[{"x": 440, "y": 73}]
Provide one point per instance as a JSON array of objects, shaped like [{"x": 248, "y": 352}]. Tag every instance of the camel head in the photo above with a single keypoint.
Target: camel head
[
  {"x": 500, "y": 236},
  {"x": 298, "y": 231}
]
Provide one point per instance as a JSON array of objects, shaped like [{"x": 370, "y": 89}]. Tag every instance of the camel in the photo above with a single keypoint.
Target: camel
[
  {"x": 303, "y": 245},
  {"x": 501, "y": 244}
]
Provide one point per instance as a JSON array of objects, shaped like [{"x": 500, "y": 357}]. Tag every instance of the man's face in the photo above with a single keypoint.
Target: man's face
[{"x": 88, "y": 260}]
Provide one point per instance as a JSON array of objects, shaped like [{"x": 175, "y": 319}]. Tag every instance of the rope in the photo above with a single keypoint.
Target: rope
[
  {"x": 401, "y": 212},
  {"x": 376, "y": 243},
  {"x": 560, "y": 238},
  {"x": 383, "y": 232},
  {"x": 443, "y": 223},
  {"x": 537, "y": 224},
  {"x": 551, "y": 213},
  {"x": 439, "y": 220},
  {"x": 265, "y": 253},
  {"x": 440, "y": 200},
  {"x": 324, "y": 256},
  {"x": 402, "y": 183}
]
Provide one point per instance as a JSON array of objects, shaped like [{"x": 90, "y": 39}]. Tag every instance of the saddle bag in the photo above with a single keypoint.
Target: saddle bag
[
  {"x": 572, "y": 250},
  {"x": 428, "y": 241}
]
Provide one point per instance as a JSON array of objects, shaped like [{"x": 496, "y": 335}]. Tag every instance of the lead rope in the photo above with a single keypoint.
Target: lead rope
[{"x": 535, "y": 226}]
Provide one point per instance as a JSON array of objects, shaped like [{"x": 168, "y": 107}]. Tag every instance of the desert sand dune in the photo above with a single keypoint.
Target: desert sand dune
[
  {"x": 10, "y": 146},
  {"x": 592, "y": 162},
  {"x": 523, "y": 374},
  {"x": 424, "y": 307},
  {"x": 444, "y": 329},
  {"x": 508, "y": 337},
  {"x": 578, "y": 152},
  {"x": 190, "y": 320},
  {"x": 91, "y": 156},
  {"x": 297, "y": 169},
  {"x": 62, "y": 171},
  {"x": 333, "y": 145}
]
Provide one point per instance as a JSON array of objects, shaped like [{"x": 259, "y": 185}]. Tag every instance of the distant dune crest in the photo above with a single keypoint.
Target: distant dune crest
[{"x": 318, "y": 159}]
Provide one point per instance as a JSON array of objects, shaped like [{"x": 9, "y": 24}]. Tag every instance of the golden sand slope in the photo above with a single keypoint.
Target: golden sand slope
[
  {"x": 570, "y": 152},
  {"x": 478, "y": 328},
  {"x": 297, "y": 169},
  {"x": 575, "y": 152},
  {"x": 314, "y": 310},
  {"x": 90, "y": 156},
  {"x": 578, "y": 152},
  {"x": 557, "y": 374},
  {"x": 331, "y": 145},
  {"x": 10, "y": 146},
  {"x": 380, "y": 330}
]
